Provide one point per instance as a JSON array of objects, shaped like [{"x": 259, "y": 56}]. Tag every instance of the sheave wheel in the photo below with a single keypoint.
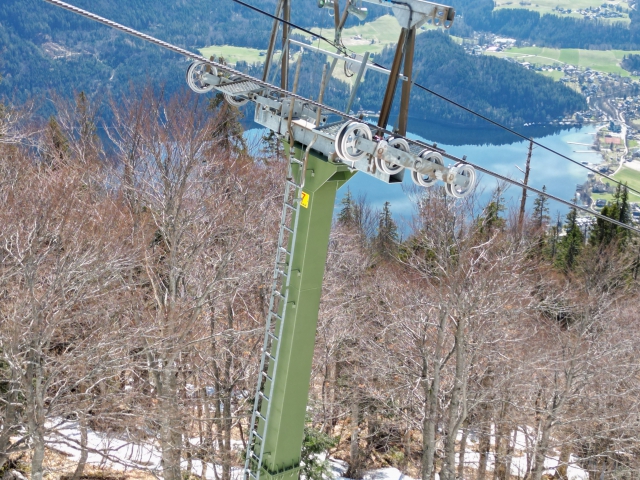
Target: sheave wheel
[
  {"x": 461, "y": 191},
  {"x": 195, "y": 74},
  {"x": 346, "y": 141},
  {"x": 233, "y": 100},
  {"x": 427, "y": 180},
  {"x": 392, "y": 168}
]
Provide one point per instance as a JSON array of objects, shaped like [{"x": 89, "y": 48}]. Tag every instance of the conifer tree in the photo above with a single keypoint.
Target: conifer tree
[
  {"x": 491, "y": 219},
  {"x": 59, "y": 144},
  {"x": 604, "y": 232},
  {"x": 271, "y": 147},
  {"x": 88, "y": 129},
  {"x": 555, "y": 234},
  {"x": 347, "y": 216},
  {"x": 541, "y": 209},
  {"x": 230, "y": 132},
  {"x": 82, "y": 130},
  {"x": 571, "y": 245},
  {"x": 387, "y": 236},
  {"x": 624, "y": 211}
]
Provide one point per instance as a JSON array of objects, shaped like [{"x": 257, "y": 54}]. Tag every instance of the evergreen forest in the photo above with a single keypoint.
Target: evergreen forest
[
  {"x": 500, "y": 90},
  {"x": 631, "y": 63},
  {"x": 548, "y": 29},
  {"x": 46, "y": 49}
]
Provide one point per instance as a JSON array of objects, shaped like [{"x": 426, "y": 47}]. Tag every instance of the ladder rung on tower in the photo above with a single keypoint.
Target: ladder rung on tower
[{"x": 275, "y": 319}]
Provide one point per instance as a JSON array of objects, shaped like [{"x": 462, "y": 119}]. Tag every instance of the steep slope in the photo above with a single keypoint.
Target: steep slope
[
  {"x": 496, "y": 88},
  {"x": 44, "y": 47}
]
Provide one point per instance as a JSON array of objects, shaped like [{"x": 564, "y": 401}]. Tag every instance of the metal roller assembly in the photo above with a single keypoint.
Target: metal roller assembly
[
  {"x": 197, "y": 76},
  {"x": 346, "y": 141},
  {"x": 464, "y": 188},
  {"x": 392, "y": 168},
  {"x": 427, "y": 180}
]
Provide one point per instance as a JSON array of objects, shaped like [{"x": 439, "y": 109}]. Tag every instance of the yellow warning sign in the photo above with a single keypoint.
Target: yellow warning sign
[{"x": 305, "y": 200}]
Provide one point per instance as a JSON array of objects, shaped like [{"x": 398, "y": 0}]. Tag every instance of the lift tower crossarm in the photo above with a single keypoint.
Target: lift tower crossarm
[
  {"x": 352, "y": 62},
  {"x": 414, "y": 13}
]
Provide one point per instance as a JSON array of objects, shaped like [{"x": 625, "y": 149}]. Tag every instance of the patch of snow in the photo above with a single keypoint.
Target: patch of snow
[{"x": 120, "y": 454}]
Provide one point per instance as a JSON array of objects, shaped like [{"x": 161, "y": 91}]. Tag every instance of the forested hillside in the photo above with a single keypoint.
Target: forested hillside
[
  {"x": 134, "y": 288},
  {"x": 631, "y": 63},
  {"x": 548, "y": 30},
  {"x": 67, "y": 53},
  {"x": 44, "y": 47},
  {"x": 503, "y": 91}
]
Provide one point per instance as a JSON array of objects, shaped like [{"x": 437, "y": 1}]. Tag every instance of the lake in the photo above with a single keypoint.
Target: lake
[{"x": 490, "y": 149}]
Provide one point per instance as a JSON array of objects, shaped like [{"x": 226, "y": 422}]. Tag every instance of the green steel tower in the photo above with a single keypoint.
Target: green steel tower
[{"x": 322, "y": 156}]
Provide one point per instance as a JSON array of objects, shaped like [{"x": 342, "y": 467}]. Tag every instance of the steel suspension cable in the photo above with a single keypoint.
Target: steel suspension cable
[
  {"x": 291, "y": 24},
  {"x": 232, "y": 71},
  {"x": 343, "y": 49}
]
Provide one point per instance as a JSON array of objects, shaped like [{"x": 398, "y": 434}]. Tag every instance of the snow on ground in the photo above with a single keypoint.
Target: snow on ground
[
  {"x": 121, "y": 454},
  {"x": 339, "y": 469},
  {"x": 519, "y": 458}
]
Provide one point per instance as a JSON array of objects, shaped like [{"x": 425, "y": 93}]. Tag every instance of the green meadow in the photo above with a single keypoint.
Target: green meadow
[
  {"x": 600, "y": 60},
  {"x": 548, "y": 6}
]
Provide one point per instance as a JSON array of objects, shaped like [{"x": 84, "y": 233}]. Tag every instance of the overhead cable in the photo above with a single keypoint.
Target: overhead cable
[
  {"x": 553, "y": 197},
  {"x": 291, "y": 24},
  {"x": 232, "y": 71},
  {"x": 446, "y": 99}
]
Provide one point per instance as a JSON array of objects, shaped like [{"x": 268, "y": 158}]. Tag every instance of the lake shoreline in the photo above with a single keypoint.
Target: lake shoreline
[{"x": 558, "y": 175}]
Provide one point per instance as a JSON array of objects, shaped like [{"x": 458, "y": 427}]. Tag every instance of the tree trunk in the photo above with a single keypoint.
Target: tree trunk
[
  {"x": 499, "y": 453},
  {"x": 457, "y": 406},
  {"x": 431, "y": 402},
  {"x": 510, "y": 447},
  {"x": 463, "y": 449},
  {"x": 541, "y": 449},
  {"x": 226, "y": 446},
  {"x": 170, "y": 434},
  {"x": 328, "y": 396},
  {"x": 37, "y": 443},
  {"x": 188, "y": 455},
  {"x": 530, "y": 449},
  {"x": 35, "y": 409},
  {"x": 217, "y": 414},
  {"x": 84, "y": 453},
  {"x": 227, "y": 422},
  {"x": 563, "y": 462},
  {"x": 354, "y": 450},
  {"x": 503, "y": 442},
  {"x": 484, "y": 448},
  {"x": 406, "y": 441},
  {"x": 200, "y": 455},
  {"x": 9, "y": 424}
]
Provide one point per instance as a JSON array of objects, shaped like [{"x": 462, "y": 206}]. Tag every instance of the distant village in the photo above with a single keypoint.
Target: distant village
[
  {"x": 606, "y": 10},
  {"x": 614, "y": 105}
]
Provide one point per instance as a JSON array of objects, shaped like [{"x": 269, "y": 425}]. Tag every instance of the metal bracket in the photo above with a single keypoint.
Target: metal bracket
[
  {"x": 414, "y": 13},
  {"x": 353, "y": 63}
]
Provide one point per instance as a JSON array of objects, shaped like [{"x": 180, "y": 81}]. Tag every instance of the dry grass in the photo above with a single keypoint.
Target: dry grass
[{"x": 59, "y": 466}]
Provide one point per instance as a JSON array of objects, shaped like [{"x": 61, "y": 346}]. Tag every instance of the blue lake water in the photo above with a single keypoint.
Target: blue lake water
[{"x": 559, "y": 175}]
